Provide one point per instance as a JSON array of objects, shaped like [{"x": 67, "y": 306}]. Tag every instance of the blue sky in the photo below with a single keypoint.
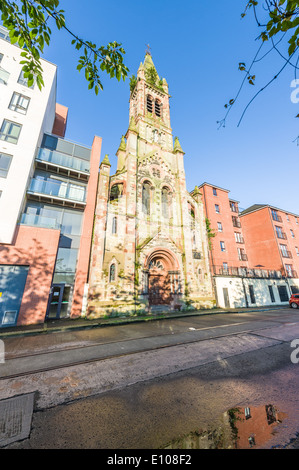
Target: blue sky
[{"x": 196, "y": 46}]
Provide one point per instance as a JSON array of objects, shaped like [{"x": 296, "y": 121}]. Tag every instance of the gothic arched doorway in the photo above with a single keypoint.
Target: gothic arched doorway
[{"x": 163, "y": 277}]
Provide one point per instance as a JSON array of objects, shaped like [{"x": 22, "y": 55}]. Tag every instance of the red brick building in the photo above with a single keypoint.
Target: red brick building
[
  {"x": 228, "y": 245},
  {"x": 254, "y": 254}
]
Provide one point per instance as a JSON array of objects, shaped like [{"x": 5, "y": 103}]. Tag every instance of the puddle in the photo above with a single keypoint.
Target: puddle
[{"x": 238, "y": 428}]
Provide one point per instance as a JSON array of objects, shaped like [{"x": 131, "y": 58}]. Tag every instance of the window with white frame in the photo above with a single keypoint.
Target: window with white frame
[
  {"x": 217, "y": 208},
  {"x": 222, "y": 246},
  {"x": 238, "y": 237},
  {"x": 24, "y": 81},
  {"x": 225, "y": 267},
  {"x": 292, "y": 233},
  {"x": 10, "y": 131},
  {"x": 5, "y": 161},
  {"x": 19, "y": 103},
  {"x": 220, "y": 229},
  {"x": 4, "y": 76}
]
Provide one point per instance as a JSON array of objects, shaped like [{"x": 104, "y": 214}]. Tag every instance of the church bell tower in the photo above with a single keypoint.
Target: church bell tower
[{"x": 150, "y": 248}]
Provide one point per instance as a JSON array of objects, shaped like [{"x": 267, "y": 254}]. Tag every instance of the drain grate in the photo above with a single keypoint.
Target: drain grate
[{"x": 15, "y": 418}]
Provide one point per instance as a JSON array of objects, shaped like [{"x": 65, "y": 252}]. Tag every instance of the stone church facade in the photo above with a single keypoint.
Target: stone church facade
[{"x": 150, "y": 246}]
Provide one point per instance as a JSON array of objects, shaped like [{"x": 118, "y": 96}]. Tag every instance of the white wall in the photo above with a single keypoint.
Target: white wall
[
  {"x": 34, "y": 124},
  {"x": 236, "y": 286}
]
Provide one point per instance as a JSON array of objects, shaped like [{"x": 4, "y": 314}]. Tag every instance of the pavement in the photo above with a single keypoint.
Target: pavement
[
  {"x": 143, "y": 385},
  {"x": 65, "y": 367},
  {"x": 67, "y": 324}
]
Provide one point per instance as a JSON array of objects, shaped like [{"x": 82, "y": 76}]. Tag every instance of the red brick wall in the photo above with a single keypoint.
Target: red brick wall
[
  {"x": 37, "y": 248},
  {"x": 87, "y": 228},
  {"x": 261, "y": 244},
  {"x": 230, "y": 255}
]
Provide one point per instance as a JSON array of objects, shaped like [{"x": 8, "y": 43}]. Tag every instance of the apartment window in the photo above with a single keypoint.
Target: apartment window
[
  {"x": 1, "y": 57},
  {"x": 236, "y": 222},
  {"x": 24, "y": 81},
  {"x": 220, "y": 229},
  {"x": 215, "y": 191},
  {"x": 10, "y": 131},
  {"x": 5, "y": 161},
  {"x": 251, "y": 293},
  {"x": 287, "y": 216},
  {"x": 292, "y": 233},
  {"x": 297, "y": 250},
  {"x": 225, "y": 267},
  {"x": 280, "y": 233},
  {"x": 289, "y": 270},
  {"x": 238, "y": 237},
  {"x": 275, "y": 216},
  {"x": 19, "y": 103},
  {"x": 233, "y": 207},
  {"x": 222, "y": 246},
  {"x": 247, "y": 413},
  {"x": 4, "y": 76},
  {"x": 217, "y": 209},
  {"x": 296, "y": 220},
  {"x": 284, "y": 251},
  {"x": 242, "y": 254}
]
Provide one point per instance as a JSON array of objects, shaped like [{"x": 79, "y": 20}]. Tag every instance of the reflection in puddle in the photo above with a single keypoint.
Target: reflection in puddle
[{"x": 239, "y": 428}]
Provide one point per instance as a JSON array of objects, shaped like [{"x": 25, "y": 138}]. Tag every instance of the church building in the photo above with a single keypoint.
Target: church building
[{"x": 150, "y": 245}]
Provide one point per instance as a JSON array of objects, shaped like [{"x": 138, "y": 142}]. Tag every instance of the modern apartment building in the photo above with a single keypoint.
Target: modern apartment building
[
  {"x": 254, "y": 256},
  {"x": 48, "y": 189},
  {"x": 272, "y": 238},
  {"x": 228, "y": 244}
]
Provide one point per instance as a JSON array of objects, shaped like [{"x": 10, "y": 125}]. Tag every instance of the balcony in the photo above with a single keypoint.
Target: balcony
[
  {"x": 63, "y": 164},
  {"x": 247, "y": 272},
  {"x": 292, "y": 274},
  {"x": 57, "y": 192},
  {"x": 236, "y": 223},
  {"x": 39, "y": 221},
  {"x": 243, "y": 257},
  {"x": 286, "y": 254},
  {"x": 240, "y": 239},
  {"x": 281, "y": 235}
]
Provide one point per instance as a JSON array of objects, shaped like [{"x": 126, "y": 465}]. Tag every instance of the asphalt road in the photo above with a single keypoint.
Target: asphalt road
[{"x": 143, "y": 386}]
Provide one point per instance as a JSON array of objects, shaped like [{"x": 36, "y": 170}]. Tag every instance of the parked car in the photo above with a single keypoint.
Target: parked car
[{"x": 294, "y": 301}]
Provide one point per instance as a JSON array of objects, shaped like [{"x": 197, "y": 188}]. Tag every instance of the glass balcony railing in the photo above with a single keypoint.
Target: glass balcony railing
[
  {"x": 58, "y": 189},
  {"x": 39, "y": 221},
  {"x": 57, "y": 158}
]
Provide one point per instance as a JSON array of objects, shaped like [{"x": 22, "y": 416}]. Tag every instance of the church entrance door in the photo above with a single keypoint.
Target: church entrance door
[
  {"x": 160, "y": 265},
  {"x": 159, "y": 288}
]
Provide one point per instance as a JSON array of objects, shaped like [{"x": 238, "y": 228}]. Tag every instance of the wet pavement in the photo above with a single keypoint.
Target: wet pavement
[{"x": 151, "y": 384}]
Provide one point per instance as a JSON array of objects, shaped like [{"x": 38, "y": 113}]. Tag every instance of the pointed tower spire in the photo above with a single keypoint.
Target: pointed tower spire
[
  {"x": 122, "y": 145},
  {"x": 177, "y": 146},
  {"x": 106, "y": 161}
]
